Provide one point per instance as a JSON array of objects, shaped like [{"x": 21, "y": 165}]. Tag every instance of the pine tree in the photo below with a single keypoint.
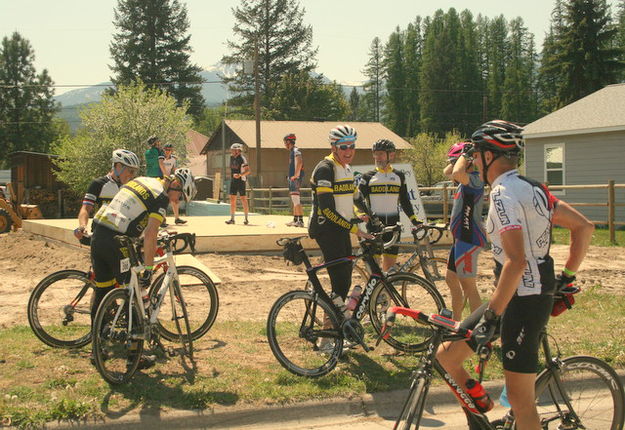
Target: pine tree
[
  {"x": 412, "y": 57},
  {"x": 468, "y": 84},
  {"x": 496, "y": 56},
  {"x": 374, "y": 71},
  {"x": 272, "y": 34},
  {"x": 355, "y": 105},
  {"x": 152, "y": 45},
  {"x": 587, "y": 60},
  {"x": 549, "y": 73},
  {"x": 395, "y": 73},
  {"x": 27, "y": 106}
]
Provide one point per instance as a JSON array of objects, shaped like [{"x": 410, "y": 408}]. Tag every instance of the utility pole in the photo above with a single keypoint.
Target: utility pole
[{"x": 257, "y": 113}]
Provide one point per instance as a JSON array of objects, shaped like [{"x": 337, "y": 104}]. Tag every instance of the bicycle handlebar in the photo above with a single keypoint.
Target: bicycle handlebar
[{"x": 422, "y": 230}]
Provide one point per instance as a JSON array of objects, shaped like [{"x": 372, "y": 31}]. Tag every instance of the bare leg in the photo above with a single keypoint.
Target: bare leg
[
  {"x": 388, "y": 261},
  {"x": 297, "y": 210},
  {"x": 457, "y": 297},
  {"x": 522, "y": 397},
  {"x": 246, "y": 208},
  {"x": 451, "y": 355},
  {"x": 175, "y": 207},
  {"x": 469, "y": 287}
]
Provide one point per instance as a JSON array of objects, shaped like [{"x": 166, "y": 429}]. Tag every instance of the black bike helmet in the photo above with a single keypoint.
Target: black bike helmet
[
  {"x": 499, "y": 136},
  {"x": 384, "y": 145}
]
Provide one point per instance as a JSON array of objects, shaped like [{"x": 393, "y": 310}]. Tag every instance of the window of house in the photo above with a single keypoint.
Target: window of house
[{"x": 554, "y": 166}]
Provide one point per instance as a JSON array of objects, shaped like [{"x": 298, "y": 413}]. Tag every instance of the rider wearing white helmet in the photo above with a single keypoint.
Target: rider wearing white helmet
[{"x": 125, "y": 165}]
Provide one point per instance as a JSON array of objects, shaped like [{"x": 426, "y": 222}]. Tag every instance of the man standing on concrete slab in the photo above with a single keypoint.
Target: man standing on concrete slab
[
  {"x": 239, "y": 170},
  {"x": 294, "y": 179}
]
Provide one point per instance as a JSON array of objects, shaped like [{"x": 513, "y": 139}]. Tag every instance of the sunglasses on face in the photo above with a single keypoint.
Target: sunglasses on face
[{"x": 346, "y": 146}]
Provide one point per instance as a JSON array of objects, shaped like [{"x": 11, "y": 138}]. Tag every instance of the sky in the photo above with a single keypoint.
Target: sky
[{"x": 71, "y": 38}]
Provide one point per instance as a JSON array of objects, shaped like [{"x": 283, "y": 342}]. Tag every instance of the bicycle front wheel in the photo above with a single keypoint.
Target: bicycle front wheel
[
  {"x": 59, "y": 309},
  {"x": 406, "y": 290},
  {"x": 180, "y": 319},
  {"x": 201, "y": 302},
  {"x": 117, "y": 347},
  {"x": 304, "y": 334},
  {"x": 411, "y": 412},
  {"x": 590, "y": 396}
]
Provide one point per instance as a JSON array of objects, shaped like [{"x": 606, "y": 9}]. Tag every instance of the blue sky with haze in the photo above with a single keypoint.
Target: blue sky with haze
[{"x": 71, "y": 37}]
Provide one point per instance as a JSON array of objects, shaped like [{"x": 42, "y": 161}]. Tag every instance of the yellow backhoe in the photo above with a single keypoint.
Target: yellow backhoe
[{"x": 12, "y": 213}]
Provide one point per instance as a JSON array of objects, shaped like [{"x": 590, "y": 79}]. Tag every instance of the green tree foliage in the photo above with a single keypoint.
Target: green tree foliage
[
  {"x": 428, "y": 155},
  {"x": 395, "y": 67},
  {"x": 301, "y": 97},
  {"x": 271, "y": 33},
  {"x": 585, "y": 60},
  {"x": 373, "y": 87},
  {"x": 152, "y": 44},
  {"x": 496, "y": 54},
  {"x": 27, "y": 106},
  {"x": 549, "y": 73},
  {"x": 412, "y": 56},
  {"x": 121, "y": 120},
  {"x": 355, "y": 105}
]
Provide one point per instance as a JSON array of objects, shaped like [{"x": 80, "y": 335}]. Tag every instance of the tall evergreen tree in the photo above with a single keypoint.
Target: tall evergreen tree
[
  {"x": 496, "y": 52},
  {"x": 549, "y": 73},
  {"x": 468, "y": 77},
  {"x": 516, "y": 104},
  {"x": 374, "y": 71},
  {"x": 152, "y": 45},
  {"x": 394, "y": 64},
  {"x": 587, "y": 60},
  {"x": 355, "y": 105},
  {"x": 272, "y": 34},
  {"x": 27, "y": 106},
  {"x": 620, "y": 34},
  {"x": 412, "y": 57}
]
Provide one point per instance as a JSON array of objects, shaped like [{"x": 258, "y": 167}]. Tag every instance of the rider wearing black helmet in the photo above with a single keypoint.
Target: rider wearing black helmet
[{"x": 383, "y": 188}]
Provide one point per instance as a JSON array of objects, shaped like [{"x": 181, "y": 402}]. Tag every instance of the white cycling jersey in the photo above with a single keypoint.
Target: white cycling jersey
[{"x": 520, "y": 203}]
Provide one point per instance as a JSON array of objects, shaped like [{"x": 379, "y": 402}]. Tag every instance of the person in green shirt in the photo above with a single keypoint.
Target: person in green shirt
[{"x": 154, "y": 158}]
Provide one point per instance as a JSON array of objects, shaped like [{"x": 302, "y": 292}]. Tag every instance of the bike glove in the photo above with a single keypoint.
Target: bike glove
[
  {"x": 145, "y": 279},
  {"x": 484, "y": 331}
]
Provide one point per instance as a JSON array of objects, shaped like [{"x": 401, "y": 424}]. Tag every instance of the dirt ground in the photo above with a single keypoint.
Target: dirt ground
[{"x": 251, "y": 283}]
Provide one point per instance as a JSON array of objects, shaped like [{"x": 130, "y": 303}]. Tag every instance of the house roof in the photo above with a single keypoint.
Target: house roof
[
  {"x": 195, "y": 143},
  {"x": 601, "y": 111},
  {"x": 310, "y": 134}
]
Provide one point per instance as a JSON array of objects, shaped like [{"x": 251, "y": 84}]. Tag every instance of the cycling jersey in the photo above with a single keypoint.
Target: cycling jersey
[
  {"x": 466, "y": 213},
  {"x": 101, "y": 191},
  {"x": 383, "y": 188},
  {"x": 333, "y": 197},
  {"x": 136, "y": 202},
  {"x": 520, "y": 203},
  {"x": 237, "y": 164},
  {"x": 152, "y": 168},
  {"x": 293, "y": 154},
  {"x": 170, "y": 164}
]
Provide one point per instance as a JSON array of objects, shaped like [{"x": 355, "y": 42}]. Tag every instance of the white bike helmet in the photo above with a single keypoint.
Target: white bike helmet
[
  {"x": 125, "y": 157},
  {"x": 187, "y": 183},
  {"x": 237, "y": 146},
  {"x": 342, "y": 133}
]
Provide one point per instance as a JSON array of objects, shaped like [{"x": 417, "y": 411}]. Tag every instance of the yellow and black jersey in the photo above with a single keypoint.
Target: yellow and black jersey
[
  {"x": 136, "y": 202},
  {"x": 333, "y": 197},
  {"x": 384, "y": 190}
]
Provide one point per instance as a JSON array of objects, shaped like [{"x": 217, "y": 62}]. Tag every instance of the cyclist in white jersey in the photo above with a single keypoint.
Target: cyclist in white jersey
[
  {"x": 520, "y": 218},
  {"x": 125, "y": 165}
]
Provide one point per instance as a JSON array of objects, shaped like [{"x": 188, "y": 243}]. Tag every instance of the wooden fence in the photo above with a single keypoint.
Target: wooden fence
[{"x": 273, "y": 199}]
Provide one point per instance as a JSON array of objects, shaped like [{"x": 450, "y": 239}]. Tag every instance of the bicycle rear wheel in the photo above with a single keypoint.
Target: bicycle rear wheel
[
  {"x": 411, "y": 412},
  {"x": 304, "y": 334},
  {"x": 593, "y": 390},
  {"x": 201, "y": 302},
  {"x": 407, "y": 290},
  {"x": 116, "y": 349},
  {"x": 59, "y": 309}
]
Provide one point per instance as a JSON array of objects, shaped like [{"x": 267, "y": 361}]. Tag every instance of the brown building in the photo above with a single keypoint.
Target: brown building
[{"x": 312, "y": 140}]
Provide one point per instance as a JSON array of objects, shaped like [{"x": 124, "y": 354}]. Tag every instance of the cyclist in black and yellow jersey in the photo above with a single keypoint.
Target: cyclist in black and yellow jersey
[
  {"x": 331, "y": 216},
  {"x": 138, "y": 208}
]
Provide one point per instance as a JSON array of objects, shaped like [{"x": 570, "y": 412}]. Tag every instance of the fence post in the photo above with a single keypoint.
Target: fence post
[
  {"x": 445, "y": 204},
  {"x": 270, "y": 200},
  {"x": 251, "y": 199},
  {"x": 611, "y": 212}
]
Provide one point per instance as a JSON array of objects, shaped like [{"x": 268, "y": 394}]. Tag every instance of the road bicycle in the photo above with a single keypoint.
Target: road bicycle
[
  {"x": 123, "y": 322},
  {"x": 578, "y": 392},
  {"x": 59, "y": 306},
  {"x": 307, "y": 330}
]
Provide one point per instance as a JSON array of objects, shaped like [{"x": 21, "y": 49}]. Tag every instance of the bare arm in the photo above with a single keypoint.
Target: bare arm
[
  {"x": 459, "y": 171},
  {"x": 581, "y": 233},
  {"x": 448, "y": 169},
  {"x": 83, "y": 220},
  {"x": 161, "y": 164},
  {"x": 512, "y": 271}
]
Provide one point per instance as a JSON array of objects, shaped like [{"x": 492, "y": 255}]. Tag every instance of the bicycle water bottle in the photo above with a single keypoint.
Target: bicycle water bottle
[
  {"x": 479, "y": 396},
  {"x": 354, "y": 297},
  {"x": 339, "y": 303}
]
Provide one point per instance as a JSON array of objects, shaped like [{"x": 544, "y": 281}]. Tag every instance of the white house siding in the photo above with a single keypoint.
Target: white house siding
[{"x": 589, "y": 159}]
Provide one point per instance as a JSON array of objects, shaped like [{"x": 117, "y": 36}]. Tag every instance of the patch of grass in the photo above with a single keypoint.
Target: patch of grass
[
  {"x": 601, "y": 237},
  {"x": 236, "y": 366}
]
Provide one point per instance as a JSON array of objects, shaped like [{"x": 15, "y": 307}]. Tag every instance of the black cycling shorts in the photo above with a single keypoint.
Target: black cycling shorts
[
  {"x": 237, "y": 186},
  {"x": 520, "y": 328},
  {"x": 106, "y": 257}
]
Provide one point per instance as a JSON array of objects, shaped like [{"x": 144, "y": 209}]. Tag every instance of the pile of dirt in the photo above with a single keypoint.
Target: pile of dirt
[{"x": 251, "y": 283}]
